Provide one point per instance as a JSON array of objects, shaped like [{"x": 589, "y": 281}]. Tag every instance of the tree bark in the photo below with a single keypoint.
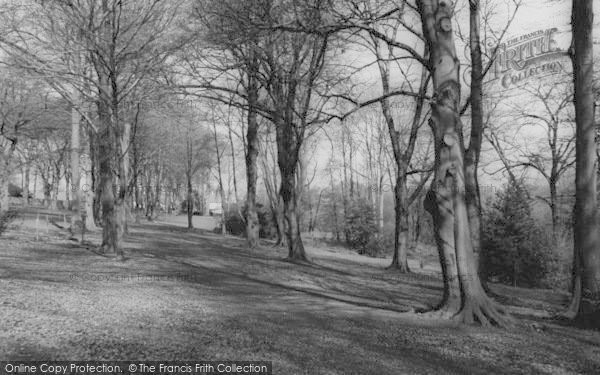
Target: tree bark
[
  {"x": 4, "y": 179},
  {"x": 190, "y": 201},
  {"x": 252, "y": 223},
  {"x": 585, "y": 227},
  {"x": 402, "y": 159},
  {"x": 464, "y": 297},
  {"x": 26, "y": 183},
  {"x": 289, "y": 196},
  {"x": 554, "y": 206},
  {"x": 106, "y": 187},
  {"x": 400, "y": 258},
  {"x": 288, "y": 151},
  {"x": 220, "y": 179},
  {"x": 96, "y": 188},
  {"x": 472, "y": 154},
  {"x": 75, "y": 171},
  {"x": 122, "y": 202}
]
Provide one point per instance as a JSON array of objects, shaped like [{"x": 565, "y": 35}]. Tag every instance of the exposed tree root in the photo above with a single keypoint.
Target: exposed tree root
[
  {"x": 302, "y": 260},
  {"x": 402, "y": 268},
  {"x": 573, "y": 308},
  {"x": 486, "y": 313}
]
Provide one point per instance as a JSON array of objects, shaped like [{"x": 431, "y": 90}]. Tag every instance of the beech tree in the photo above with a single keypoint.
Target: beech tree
[
  {"x": 464, "y": 297},
  {"x": 586, "y": 265},
  {"x": 22, "y": 103},
  {"x": 402, "y": 153},
  {"x": 556, "y": 156},
  {"x": 293, "y": 65},
  {"x": 123, "y": 43},
  {"x": 223, "y": 65}
]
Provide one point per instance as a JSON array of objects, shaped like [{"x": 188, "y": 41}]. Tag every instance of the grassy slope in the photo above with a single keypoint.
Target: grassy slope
[{"x": 198, "y": 296}]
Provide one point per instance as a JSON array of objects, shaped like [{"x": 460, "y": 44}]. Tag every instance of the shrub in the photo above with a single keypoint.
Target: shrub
[
  {"x": 268, "y": 227},
  {"x": 14, "y": 191},
  {"x": 514, "y": 249},
  {"x": 361, "y": 229},
  {"x": 5, "y": 219},
  {"x": 236, "y": 225}
]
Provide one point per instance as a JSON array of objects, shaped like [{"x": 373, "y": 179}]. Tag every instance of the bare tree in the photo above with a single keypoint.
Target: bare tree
[
  {"x": 464, "y": 297},
  {"x": 21, "y": 104},
  {"x": 220, "y": 151},
  {"x": 586, "y": 265},
  {"x": 271, "y": 182},
  {"x": 123, "y": 42},
  {"x": 227, "y": 44},
  {"x": 556, "y": 122}
]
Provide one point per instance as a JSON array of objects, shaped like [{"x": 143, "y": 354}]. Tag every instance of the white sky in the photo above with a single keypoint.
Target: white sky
[{"x": 532, "y": 16}]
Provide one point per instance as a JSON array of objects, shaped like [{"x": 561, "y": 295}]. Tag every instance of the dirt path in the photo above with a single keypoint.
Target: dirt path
[{"x": 198, "y": 296}]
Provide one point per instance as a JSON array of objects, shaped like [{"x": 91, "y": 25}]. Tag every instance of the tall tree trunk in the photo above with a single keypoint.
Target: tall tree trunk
[
  {"x": 122, "y": 202},
  {"x": 554, "y": 206},
  {"x": 252, "y": 223},
  {"x": 402, "y": 158},
  {"x": 279, "y": 221},
  {"x": 47, "y": 189},
  {"x": 149, "y": 196},
  {"x": 4, "y": 198},
  {"x": 400, "y": 258},
  {"x": 78, "y": 203},
  {"x": 220, "y": 179},
  {"x": 96, "y": 188},
  {"x": 54, "y": 190},
  {"x": 188, "y": 177},
  {"x": 288, "y": 152},
  {"x": 290, "y": 213},
  {"x": 137, "y": 202},
  {"x": 5, "y": 178},
  {"x": 158, "y": 185},
  {"x": 190, "y": 201},
  {"x": 27, "y": 173},
  {"x": 106, "y": 187},
  {"x": 464, "y": 297},
  {"x": 585, "y": 227},
  {"x": 233, "y": 163},
  {"x": 472, "y": 154}
]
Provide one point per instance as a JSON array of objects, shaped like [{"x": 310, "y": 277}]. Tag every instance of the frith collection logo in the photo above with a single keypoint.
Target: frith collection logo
[{"x": 524, "y": 57}]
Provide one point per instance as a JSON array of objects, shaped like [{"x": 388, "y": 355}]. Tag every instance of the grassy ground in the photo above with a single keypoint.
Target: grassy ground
[{"x": 194, "y": 295}]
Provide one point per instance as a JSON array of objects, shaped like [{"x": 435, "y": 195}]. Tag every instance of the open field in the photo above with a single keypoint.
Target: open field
[{"x": 194, "y": 295}]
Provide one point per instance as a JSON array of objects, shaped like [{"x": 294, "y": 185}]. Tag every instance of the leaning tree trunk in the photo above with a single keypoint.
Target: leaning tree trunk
[
  {"x": 252, "y": 223},
  {"x": 464, "y": 297},
  {"x": 585, "y": 304}
]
